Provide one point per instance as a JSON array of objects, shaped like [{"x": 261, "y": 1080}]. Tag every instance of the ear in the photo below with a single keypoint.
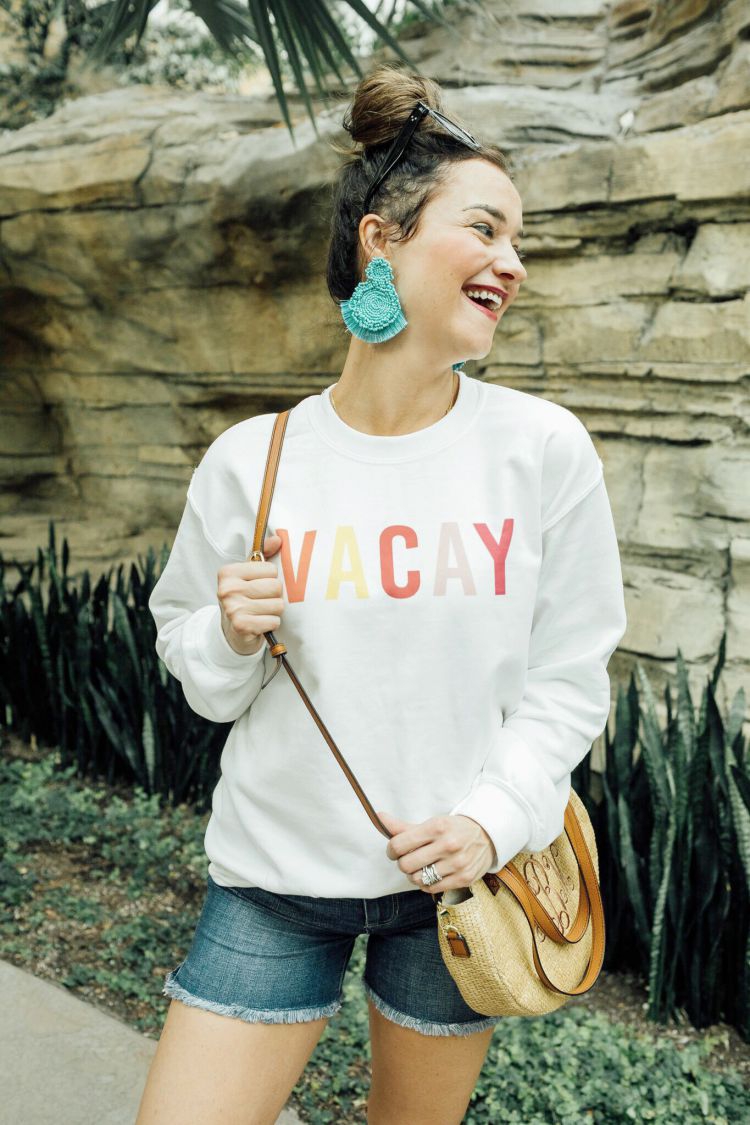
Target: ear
[{"x": 373, "y": 237}]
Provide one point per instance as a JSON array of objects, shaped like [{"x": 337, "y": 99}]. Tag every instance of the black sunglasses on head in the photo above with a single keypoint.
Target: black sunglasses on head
[{"x": 398, "y": 147}]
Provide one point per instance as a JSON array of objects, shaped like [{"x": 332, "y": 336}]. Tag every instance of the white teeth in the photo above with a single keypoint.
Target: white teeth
[{"x": 493, "y": 297}]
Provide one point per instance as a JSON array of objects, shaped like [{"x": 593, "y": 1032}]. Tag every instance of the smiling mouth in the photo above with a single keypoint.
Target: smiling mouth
[{"x": 482, "y": 308}]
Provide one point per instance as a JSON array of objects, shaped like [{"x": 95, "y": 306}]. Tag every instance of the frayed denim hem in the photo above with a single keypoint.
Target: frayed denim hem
[
  {"x": 427, "y": 1027},
  {"x": 251, "y": 1015}
]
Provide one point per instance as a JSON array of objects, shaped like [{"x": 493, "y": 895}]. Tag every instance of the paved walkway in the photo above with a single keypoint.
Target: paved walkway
[{"x": 65, "y": 1062}]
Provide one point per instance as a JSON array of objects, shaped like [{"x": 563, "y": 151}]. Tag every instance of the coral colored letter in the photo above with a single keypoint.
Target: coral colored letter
[
  {"x": 498, "y": 550},
  {"x": 409, "y": 536},
  {"x": 295, "y": 584}
]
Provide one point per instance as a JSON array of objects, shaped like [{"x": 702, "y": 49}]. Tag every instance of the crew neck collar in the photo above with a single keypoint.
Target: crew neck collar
[{"x": 397, "y": 447}]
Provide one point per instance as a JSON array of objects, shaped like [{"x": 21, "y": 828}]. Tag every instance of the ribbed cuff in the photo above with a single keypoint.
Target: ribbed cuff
[
  {"x": 215, "y": 648},
  {"x": 503, "y": 818}
]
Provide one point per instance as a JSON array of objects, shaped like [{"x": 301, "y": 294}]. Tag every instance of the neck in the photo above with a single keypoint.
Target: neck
[{"x": 374, "y": 396}]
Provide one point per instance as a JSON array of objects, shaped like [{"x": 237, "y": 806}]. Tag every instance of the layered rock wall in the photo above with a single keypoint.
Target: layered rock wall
[{"x": 162, "y": 262}]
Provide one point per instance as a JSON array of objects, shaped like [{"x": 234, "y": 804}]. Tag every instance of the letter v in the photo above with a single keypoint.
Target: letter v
[{"x": 295, "y": 584}]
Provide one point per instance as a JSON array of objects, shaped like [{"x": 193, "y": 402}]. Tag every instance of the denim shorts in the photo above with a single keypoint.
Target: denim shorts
[{"x": 271, "y": 958}]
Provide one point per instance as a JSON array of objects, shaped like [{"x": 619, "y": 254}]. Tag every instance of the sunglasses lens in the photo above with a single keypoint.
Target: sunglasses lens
[{"x": 456, "y": 130}]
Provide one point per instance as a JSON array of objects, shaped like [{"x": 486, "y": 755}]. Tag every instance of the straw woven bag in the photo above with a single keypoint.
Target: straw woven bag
[{"x": 519, "y": 942}]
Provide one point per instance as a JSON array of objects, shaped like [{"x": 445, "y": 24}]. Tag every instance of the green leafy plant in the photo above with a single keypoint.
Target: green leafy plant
[
  {"x": 305, "y": 43},
  {"x": 673, "y": 834},
  {"x": 306, "y": 34},
  {"x": 101, "y": 891},
  {"x": 90, "y": 681}
]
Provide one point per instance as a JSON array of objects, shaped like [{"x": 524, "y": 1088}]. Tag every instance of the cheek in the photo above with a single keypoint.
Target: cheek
[
  {"x": 434, "y": 281},
  {"x": 455, "y": 259}
]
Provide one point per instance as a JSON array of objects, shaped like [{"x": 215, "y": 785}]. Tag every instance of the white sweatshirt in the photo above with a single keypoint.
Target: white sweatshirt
[{"x": 452, "y": 599}]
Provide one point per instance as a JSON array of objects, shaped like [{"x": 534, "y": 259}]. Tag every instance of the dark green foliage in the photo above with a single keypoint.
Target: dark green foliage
[
  {"x": 305, "y": 43},
  {"x": 673, "y": 835},
  {"x": 306, "y": 39},
  {"x": 127, "y": 912},
  {"x": 78, "y": 670}
]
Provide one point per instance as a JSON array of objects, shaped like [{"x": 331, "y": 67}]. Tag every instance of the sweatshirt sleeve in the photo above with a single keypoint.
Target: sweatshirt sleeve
[
  {"x": 520, "y": 796},
  {"x": 218, "y": 683}
]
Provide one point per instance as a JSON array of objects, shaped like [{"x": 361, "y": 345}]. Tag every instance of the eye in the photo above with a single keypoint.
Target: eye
[{"x": 521, "y": 254}]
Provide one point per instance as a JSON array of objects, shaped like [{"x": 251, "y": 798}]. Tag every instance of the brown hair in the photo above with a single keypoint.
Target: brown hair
[{"x": 381, "y": 104}]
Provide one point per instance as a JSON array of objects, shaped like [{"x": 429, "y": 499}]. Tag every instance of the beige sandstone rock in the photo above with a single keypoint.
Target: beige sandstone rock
[{"x": 162, "y": 261}]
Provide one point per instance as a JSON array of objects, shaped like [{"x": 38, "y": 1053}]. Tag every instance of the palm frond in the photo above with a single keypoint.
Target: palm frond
[
  {"x": 303, "y": 34},
  {"x": 123, "y": 19},
  {"x": 228, "y": 22}
]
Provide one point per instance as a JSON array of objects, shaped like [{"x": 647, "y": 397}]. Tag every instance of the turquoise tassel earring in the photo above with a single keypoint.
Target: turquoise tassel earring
[{"x": 373, "y": 313}]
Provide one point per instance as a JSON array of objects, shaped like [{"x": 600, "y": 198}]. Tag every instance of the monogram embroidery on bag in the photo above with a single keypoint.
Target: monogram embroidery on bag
[
  {"x": 536, "y": 871},
  {"x": 557, "y": 890}
]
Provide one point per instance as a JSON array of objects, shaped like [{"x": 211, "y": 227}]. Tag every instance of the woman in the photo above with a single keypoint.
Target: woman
[{"x": 450, "y": 594}]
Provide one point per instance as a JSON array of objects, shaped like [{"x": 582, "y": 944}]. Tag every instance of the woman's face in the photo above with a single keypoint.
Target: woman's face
[{"x": 460, "y": 244}]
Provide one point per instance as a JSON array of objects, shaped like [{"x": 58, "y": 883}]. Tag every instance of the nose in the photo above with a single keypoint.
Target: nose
[{"x": 509, "y": 266}]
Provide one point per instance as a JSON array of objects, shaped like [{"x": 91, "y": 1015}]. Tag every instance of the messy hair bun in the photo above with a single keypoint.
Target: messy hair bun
[{"x": 381, "y": 104}]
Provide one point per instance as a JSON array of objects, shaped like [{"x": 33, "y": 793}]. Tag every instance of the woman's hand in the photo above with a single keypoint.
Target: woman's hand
[
  {"x": 251, "y": 598},
  {"x": 458, "y": 846}
]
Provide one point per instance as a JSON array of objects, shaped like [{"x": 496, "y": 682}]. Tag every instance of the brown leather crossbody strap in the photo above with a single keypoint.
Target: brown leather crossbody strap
[
  {"x": 589, "y": 898},
  {"x": 278, "y": 650}
]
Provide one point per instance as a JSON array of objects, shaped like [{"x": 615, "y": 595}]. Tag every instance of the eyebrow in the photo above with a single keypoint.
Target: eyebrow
[{"x": 499, "y": 215}]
